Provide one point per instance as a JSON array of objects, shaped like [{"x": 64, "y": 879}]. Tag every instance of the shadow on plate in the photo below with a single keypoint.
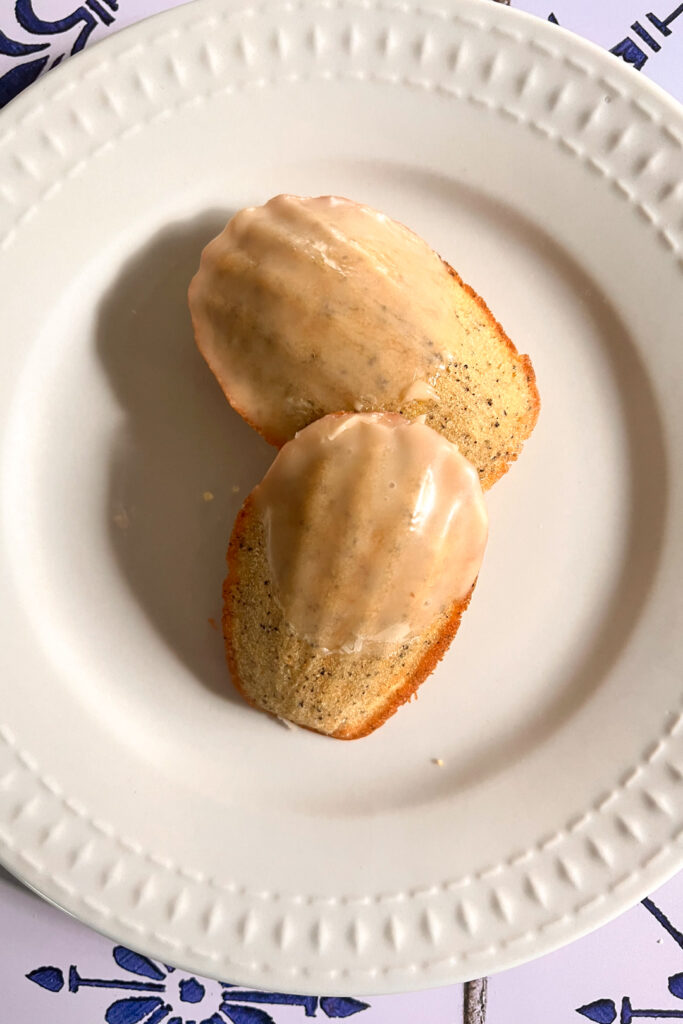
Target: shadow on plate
[{"x": 179, "y": 443}]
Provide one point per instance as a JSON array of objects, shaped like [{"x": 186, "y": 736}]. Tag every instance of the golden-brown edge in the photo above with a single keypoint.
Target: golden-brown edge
[
  {"x": 524, "y": 362},
  {"x": 430, "y": 656},
  {"x": 429, "y": 661},
  {"x": 489, "y": 473}
]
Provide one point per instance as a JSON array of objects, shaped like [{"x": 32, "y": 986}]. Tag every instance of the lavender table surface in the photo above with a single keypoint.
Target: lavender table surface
[{"x": 54, "y": 969}]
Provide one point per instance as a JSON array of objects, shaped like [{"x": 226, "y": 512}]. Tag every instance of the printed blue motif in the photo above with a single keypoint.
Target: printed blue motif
[
  {"x": 215, "y": 1002},
  {"x": 68, "y": 34},
  {"x": 604, "y": 1011},
  {"x": 632, "y": 51}
]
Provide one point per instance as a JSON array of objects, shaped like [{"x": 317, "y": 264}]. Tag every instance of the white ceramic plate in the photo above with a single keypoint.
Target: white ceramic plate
[{"x": 136, "y": 789}]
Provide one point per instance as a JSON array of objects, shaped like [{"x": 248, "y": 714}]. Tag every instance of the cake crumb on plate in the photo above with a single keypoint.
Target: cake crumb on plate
[{"x": 121, "y": 519}]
